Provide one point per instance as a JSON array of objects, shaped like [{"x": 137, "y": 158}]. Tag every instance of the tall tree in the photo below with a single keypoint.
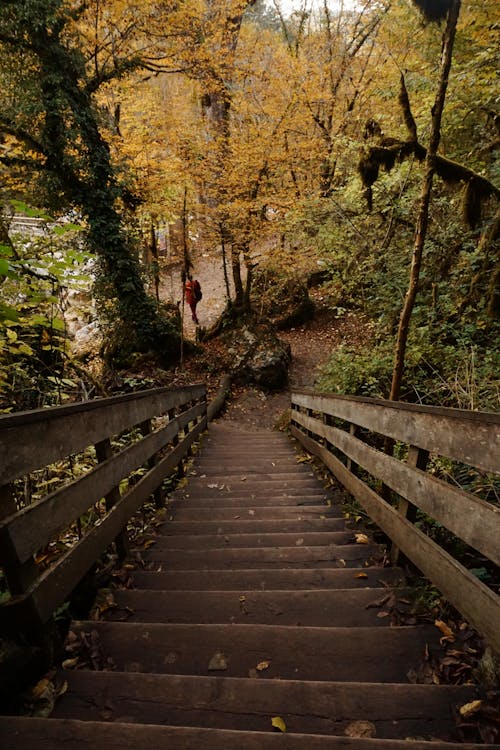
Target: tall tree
[
  {"x": 57, "y": 130},
  {"x": 453, "y": 11}
]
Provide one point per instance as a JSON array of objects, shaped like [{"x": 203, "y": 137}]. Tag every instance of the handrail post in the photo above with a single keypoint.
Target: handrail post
[
  {"x": 351, "y": 465},
  {"x": 19, "y": 576},
  {"x": 172, "y": 413},
  {"x": 417, "y": 458},
  {"x": 146, "y": 428},
  {"x": 103, "y": 451}
]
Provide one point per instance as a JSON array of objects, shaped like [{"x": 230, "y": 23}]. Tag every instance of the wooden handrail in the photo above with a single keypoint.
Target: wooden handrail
[
  {"x": 446, "y": 432},
  {"x": 468, "y": 436},
  {"x": 31, "y": 440}
]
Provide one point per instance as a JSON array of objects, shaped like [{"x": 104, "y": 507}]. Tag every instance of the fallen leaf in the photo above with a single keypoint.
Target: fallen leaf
[
  {"x": 40, "y": 688},
  {"x": 278, "y": 723},
  {"x": 262, "y": 665},
  {"x": 379, "y": 602},
  {"x": 61, "y": 689},
  {"x": 361, "y": 539},
  {"x": 70, "y": 663},
  {"x": 360, "y": 729},
  {"x": 361, "y": 575},
  {"x": 445, "y": 630},
  {"x": 218, "y": 662},
  {"x": 383, "y": 614},
  {"x": 469, "y": 709},
  {"x": 299, "y": 542},
  {"x": 149, "y": 543}
]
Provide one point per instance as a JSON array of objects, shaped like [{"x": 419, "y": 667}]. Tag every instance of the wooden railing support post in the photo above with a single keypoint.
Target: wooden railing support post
[
  {"x": 417, "y": 458},
  {"x": 351, "y": 465},
  {"x": 19, "y": 576},
  {"x": 146, "y": 428},
  {"x": 103, "y": 451}
]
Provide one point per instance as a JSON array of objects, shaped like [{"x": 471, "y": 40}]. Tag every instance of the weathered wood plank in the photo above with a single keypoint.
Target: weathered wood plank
[
  {"x": 34, "y": 439},
  {"x": 468, "y": 436},
  {"x": 475, "y": 521},
  {"x": 239, "y": 703},
  {"x": 29, "y": 529},
  {"x": 54, "y": 585},
  {"x": 473, "y": 599},
  {"x": 363, "y": 654},
  {"x": 21, "y": 732}
]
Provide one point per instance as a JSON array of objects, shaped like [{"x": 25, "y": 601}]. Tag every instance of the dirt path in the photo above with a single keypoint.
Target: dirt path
[{"x": 311, "y": 344}]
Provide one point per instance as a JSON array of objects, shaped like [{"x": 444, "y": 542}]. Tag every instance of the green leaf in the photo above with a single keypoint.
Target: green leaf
[
  {"x": 57, "y": 324},
  {"x": 8, "y": 313},
  {"x": 25, "y": 349}
]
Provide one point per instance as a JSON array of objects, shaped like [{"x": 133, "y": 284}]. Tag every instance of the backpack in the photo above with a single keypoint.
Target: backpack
[{"x": 197, "y": 290}]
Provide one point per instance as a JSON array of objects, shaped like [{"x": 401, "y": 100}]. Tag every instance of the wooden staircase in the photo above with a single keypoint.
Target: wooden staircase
[{"x": 256, "y": 612}]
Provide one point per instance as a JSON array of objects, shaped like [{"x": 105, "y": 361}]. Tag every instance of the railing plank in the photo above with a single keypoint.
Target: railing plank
[
  {"x": 30, "y": 440},
  {"x": 55, "y": 584},
  {"x": 470, "y": 518},
  {"x": 470, "y": 437},
  {"x": 473, "y": 599},
  {"x": 31, "y": 528}
]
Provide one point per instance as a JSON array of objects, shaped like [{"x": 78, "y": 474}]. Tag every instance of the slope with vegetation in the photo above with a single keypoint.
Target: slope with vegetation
[{"x": 275, "y": 142}]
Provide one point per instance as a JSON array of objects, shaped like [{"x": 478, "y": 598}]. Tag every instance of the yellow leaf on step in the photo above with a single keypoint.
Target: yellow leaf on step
[
  {"x": 278, "y": 723},
  {"x": 261, "y": 666},
  {"x": 361, "y": 575},
  {"x": 362, "y": 539},
  {"x": 470, "y": 708},
  {"x": 445, "y": 630},
  {"x": 40, "y": 688}
]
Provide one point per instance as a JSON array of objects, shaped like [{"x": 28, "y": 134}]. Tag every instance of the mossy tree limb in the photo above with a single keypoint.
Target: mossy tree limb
[{"x": 423, "y": 214}]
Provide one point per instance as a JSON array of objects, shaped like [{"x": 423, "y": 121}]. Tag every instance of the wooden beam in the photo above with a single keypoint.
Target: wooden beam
[
  {"x": 56, "y": 583},
  {"x": 34, "y": 526},
  {"x": 34, "y": 439},
  {"x": 479, "y": 605},
  {"x": 475, "y": 521},
  {"x": 467, "y": 436}
]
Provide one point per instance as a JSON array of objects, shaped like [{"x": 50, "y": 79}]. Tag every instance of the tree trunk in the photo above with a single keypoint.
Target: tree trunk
[
  {"x": 423, "y": 215},
  {"x": 239, "y": 291}
]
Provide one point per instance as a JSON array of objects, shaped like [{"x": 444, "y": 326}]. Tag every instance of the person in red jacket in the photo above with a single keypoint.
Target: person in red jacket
[{"x": 192, "y": 292}]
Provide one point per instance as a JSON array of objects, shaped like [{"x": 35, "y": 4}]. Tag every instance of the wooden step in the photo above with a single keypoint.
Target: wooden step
[
  {"x": 255, "y": 500},
  {"x": 169, "y": 542},
  {"x": 180, "y": 511},
  {"x": 242, "y": 481},
  {"x": 395, "y": 711},
  {"x": 268, "y": 579},
  {"x": 302, "y": 653},
  {"x": 24, "y": 733},
  {"x": 348, "y": 555},
  {"x": 251, "y": 525},
  {"x": 321, "y": 608}
]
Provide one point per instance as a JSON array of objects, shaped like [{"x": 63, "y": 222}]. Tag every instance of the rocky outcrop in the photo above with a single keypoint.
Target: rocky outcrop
[
  {"x": 260, "y": 357},
  {"x": 283, "y": 299}
]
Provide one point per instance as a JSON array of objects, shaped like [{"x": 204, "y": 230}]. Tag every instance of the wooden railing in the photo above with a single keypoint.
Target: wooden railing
[
  {"x": 162, "y": 425},
  {"x": 472, "y": 438}
]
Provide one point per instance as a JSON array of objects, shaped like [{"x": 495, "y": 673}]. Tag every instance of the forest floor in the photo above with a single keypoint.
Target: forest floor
[{"x": 311, "y": 344}]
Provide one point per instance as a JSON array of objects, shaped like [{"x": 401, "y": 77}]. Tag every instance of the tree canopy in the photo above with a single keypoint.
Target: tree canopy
[{"x": 303, "y": 132}]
